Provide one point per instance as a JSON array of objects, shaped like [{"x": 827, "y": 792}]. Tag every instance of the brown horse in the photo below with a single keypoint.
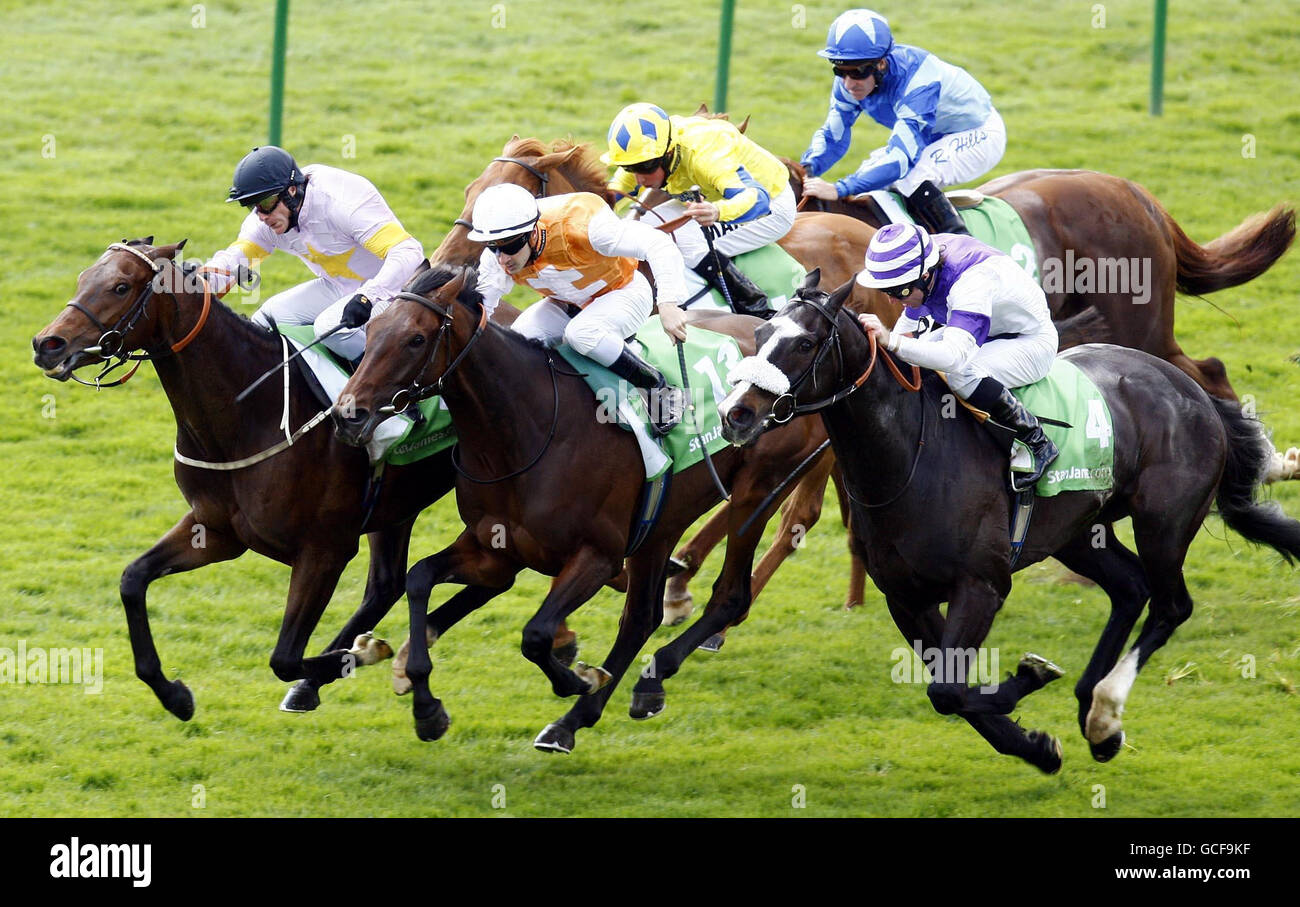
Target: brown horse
[
  {"x": 1082, "y": 215},
  {"x": 304, "y": 506},
  {"x": 548, "y": 485}
]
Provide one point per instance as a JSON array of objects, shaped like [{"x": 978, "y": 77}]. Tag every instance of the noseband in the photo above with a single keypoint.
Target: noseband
[{"x": 415, "y": 392}]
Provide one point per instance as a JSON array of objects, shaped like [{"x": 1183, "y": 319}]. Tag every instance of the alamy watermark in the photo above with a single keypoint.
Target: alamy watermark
[
  {"x": 1087, "y": 275},
  {"x": 952, "y": 665},
  {"x": 38, "y": 665}
]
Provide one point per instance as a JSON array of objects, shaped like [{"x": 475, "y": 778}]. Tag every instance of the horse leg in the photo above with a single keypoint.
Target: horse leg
[
  {"x": 314, "y": 576},
  {"x": 641, "y": 615},
  {"x": 579, "y": 579},
  {"x": 487, "y": 574},
  {"x": 857, "y": 566},
  {"x": 175, "y": 552},
  {"x": 1119, "y": 573},
  {"x": 923, "y": 628},
  {"x": 678, "y": 601},
  {"x": 439, "y": 621},
  {"x": 385, "y": 583},
  {"x": 798, "y": 516},
  {"x": 1162, "y": 549}
]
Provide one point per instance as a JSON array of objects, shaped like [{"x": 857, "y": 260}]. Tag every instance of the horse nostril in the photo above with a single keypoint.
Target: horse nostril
[
  {"x": 740, "y": 416},
  {"x": 50, "y": 344}
]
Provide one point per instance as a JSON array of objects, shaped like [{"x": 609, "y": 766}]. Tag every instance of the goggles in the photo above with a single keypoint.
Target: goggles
[
  {"x": 266, "y": 204},
  {"x": 510, "y": 245},
  {"x": 645, "y": 167},
  {"x": 857, "y": 73}
]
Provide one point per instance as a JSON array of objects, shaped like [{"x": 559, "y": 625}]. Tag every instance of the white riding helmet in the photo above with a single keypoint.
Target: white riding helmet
[{"x": 503, "y": 211}]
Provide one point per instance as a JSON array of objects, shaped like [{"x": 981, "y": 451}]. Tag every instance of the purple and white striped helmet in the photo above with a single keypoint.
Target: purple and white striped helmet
[{"x": 899, "y": 254}]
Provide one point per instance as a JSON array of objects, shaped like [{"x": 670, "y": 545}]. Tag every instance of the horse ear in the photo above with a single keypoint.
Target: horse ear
[
  {"x": 170, "y": 251},
  {"x": 743, "y": 126},
  {"x": 841, "y": 295},
  {"x": 548, "y": 162},
  {"x": 812, "y": 280},
  {"x": 506, "y": 147},
  {"x": 702, "y": 110}
]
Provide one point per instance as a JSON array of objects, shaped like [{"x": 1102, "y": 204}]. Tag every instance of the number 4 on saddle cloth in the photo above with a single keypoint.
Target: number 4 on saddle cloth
[{"x": 1075, "y": 417}]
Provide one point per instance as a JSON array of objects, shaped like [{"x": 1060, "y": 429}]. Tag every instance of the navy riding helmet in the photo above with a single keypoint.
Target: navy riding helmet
[{"x": 266, "y": 170}]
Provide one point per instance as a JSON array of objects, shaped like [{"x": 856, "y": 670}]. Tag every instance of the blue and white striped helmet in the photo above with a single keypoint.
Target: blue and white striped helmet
[
  {"x": 859, "y": 34},
  {"x": 898, "y": 255}
]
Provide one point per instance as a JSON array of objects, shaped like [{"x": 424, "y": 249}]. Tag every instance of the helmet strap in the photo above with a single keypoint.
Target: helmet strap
[
  {"x": 535, "y": 252},
  {"x": 293, "y": 201}
]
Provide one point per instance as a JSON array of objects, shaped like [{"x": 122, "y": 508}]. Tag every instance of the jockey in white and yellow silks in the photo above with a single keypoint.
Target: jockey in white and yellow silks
[
  {"x": 574, "y": 251},
  {"x": 341, "y": 228},
  {"x": 746, "y": 197}
]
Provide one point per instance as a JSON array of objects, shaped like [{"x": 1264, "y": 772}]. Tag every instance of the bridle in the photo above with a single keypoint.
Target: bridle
[
  {"x": 543, "y": 177},
  {"x": 800, "y": 409},
  {"x": 415, "y": 392},
  {"x": 789, "y": 408},
  {"x": 110, "y": 347}
]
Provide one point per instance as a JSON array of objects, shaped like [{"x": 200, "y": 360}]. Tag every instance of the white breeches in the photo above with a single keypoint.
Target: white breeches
[
  {"x": 731, "y": 239},
  {"x": 318, "y": 302},
  {"x": 600, "y": 329},
  {"x": 1013, "y": 361},
  {"x": 958, "y": 158}
]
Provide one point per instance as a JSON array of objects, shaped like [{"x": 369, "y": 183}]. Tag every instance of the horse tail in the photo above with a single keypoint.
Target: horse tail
[
  {"x": 1249, "y": 453},
  {"x": 1241, "y": 254}
]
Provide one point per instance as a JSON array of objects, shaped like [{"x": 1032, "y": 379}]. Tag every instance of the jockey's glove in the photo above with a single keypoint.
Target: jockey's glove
[{"x": 356, "y": 312}]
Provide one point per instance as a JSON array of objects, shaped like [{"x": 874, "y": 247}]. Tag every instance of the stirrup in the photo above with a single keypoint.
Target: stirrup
[{"x": 669, "y": 411}]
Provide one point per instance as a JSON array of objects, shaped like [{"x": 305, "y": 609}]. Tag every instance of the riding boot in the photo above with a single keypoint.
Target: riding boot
[
  {"x": 931, "y": 207},
  {"x": 1009, "y": 413},
  {"x": 731, "y": 282},
  {"x": 664, "y": 403}
]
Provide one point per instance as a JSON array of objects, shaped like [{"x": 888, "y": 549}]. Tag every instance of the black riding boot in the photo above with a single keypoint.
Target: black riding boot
[
  {"x": 1009, "y": 413},
  {"x": 746, "y": 297},
  {"x": 664, "y": 402},
  {"x": 931, "y": 207}
]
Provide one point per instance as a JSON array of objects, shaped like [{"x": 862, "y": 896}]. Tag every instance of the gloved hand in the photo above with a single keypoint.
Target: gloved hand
[{"x": 356, "y": 312}]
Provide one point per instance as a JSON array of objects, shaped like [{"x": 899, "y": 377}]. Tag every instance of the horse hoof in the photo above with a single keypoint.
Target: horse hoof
[
  {"x": 180, "y": 701},
  {"x": 1048, "y": 755},
  {"x": 1043, "y": 669},
  {"x": 555, "y": 739},
  {"x": 1108, "y": 749},
  {"x": 302, "y": 697},
  {"x": 370, "y": 649},
  {"x": 677, "y": 610},
  {"x": 713, "y": 643},
  {"x": 647, "y": 705},
  {"x": 595, "y": 677},
  {"x": 433, "y": 726},
  {"x": 566, "y": 653}
]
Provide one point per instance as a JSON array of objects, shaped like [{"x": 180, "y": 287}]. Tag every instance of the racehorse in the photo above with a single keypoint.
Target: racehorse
[
  {"x": 304, "y": 504},
  {"x": 930, "y": 509},
  {"x": 1099, "y": 218},
  {"x": 546, "y": 484}
]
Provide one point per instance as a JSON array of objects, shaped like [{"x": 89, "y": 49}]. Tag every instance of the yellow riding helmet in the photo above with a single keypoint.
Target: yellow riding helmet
[{"x": 639, "y": 133}]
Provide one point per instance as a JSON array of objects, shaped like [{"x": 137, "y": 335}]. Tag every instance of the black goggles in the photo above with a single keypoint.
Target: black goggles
[
  {"x": 857, "y": 73},
  {"x": 901, "y": 292},
  {"x": 645, "y": 167},
  {"x": 510, "y": 245},
  {"x": 266, "y": 204}
]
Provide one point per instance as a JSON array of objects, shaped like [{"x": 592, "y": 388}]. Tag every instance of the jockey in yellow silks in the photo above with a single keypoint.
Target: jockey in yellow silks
[{"x": 745, "y": 201}]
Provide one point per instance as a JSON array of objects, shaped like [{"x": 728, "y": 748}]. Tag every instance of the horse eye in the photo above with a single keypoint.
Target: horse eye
[
  {"x": 122, "y": 289},
  {"x": 805, "y": 345},
  {"x": 417, "y": 340}
]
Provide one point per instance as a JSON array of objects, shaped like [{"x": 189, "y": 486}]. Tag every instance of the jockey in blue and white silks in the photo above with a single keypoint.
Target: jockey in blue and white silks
[
  {"x": 945, "y": 130},
  {"x": 982, "y": 321}
]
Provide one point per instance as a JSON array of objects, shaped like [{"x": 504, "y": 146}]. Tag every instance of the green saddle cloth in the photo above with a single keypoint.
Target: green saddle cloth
[
  {"x": 777, "y": 274},
  {"x": 709, "y": 357},
  {"x": 995, "y": 222},
  {"x": 1087, "y": 458}
]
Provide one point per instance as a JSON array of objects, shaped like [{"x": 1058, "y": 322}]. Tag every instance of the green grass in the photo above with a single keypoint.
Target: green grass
[{"x": 148, "y": 115}]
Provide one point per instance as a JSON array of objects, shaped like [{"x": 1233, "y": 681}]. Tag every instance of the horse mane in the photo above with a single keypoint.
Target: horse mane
[
  {"x": 426, "y": 283},
  {"x": 584, "y": 167}
]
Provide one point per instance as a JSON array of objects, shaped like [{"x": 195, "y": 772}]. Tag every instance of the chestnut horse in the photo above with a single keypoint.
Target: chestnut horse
[
  {"x": 546, "y": 484},
  {"x": 304, "y": 506},
  {"x": 930, "y": 509}
]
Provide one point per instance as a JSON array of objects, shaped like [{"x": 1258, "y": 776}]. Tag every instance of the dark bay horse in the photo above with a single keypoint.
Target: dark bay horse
[
  {"x": 930, "y": 513},
  {"x": 304, "y": 507},
  {"x": 547, "y": 484}
]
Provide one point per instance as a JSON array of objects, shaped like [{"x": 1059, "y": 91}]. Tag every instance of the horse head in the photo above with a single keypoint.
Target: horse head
[
  {"x": 109, "y": 314},
  {"x": 410, "y": 347},
  {"x": 543, "y": 170},
  {"x": 792, "y": 362}
]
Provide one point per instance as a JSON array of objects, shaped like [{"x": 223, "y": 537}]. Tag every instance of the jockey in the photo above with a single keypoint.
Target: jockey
[
  {"x": 945, "y": 129},
  {"x": 989, "y": 328},
  {"x": 575, "y": 252},
  {"x": 340, "y": 227},
  {"x": 747, "y": 202}
]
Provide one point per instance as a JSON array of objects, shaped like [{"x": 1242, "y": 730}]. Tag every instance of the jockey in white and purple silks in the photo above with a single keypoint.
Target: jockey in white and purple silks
[
  {"x": 972, "y": 313},
  {"x": 945, "y": 130}
]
